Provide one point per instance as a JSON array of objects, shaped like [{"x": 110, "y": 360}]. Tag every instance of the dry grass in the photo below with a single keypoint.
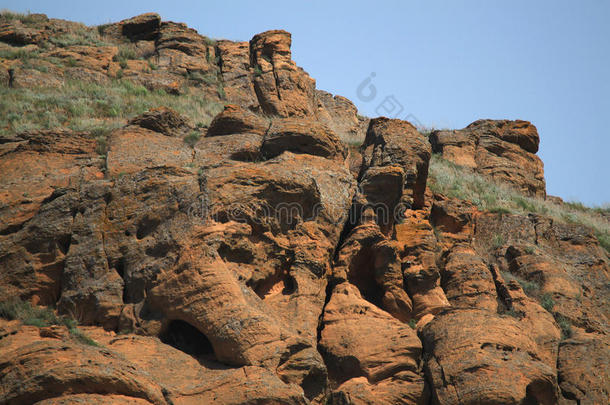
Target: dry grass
[
  {"x": 459, "y": 182},
  {"x": 84, "y": 106}
]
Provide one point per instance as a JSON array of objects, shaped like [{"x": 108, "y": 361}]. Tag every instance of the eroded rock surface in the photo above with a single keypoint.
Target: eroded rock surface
[
  {"x": 254, "y": 261},
  {"x": 504, "y": 150}
]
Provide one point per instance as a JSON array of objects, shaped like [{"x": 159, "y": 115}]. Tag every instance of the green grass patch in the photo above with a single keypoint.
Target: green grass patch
[
  {"x": 87, "y": 106},
  {"x": 192, "y": 138},
  {"x": 81, "y": 337},
  {"x": 23, "y": 54},
  {"x": 565, "y": 326},
  {"x": 26, "y": 18},
  {"x": 81, "y": 36},
  {"x": 547, "y": 302},
  {"x": 16, "y": 309},
  {"x": 530, "y": 288}
]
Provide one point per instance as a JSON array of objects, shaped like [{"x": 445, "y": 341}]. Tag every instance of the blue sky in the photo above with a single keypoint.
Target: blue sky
[{"x": 447, "y": 63}]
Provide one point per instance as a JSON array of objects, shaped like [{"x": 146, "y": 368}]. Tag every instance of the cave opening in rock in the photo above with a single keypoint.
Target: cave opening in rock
[{"x": 185, "y": 337}]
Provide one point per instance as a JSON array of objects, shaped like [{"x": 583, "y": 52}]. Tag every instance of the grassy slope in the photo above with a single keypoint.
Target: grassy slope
[
  {"x": 81, "y": 105},
  {"x": 459, "y": 182}
]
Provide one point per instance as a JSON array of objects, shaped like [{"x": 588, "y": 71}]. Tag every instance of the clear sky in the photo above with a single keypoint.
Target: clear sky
[{"x": 446, "y": 63}]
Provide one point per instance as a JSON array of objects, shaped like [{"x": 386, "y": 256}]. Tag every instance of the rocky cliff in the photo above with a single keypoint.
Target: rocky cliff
[{"x": 200, "y": 228}]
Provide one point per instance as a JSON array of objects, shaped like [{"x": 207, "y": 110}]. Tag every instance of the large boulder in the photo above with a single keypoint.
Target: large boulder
[
  {"x": 371, "y": 356},
  {"x": 502, "y": 149},
  {"x": 394, "y": 169},
  {"x": 495, "y": 361},
  {"x": 302, "y": 136},
  {"x": 282, "y": 88}
]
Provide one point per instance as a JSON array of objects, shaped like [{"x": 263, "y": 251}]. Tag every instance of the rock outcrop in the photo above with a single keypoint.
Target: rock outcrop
[
  {"x": 253, "y": 260},
  {"x": 504, "y": 150}
]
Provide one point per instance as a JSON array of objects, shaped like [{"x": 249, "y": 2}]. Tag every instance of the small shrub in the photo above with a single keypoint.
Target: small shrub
[
  {"x": 498, "y": 241},
  {"x": 152, "y": 66},
  {"x": 413, "y": 324},
  {"x": 257, "y": 70},
  {"x": 192, "y": 138},
  {"x": 530, "y": 288},
  {"x": 81, "y": 337},
  {"x": 208, "y": 78},
  {"x": 102, "y": 28},
  {"x": 6, "y": 15},
  {"x": 546, "y": 300},
  {"x": 500, "y": 210},
  {"x": 81, "y": 36},
  {"x": 16, "y": 309},
  {"x": 530, "y": 250},
  {"x": 221, "y": 91},
  {"x": 513, "y": 313},
  {"x": 565, "y": 325},
  {"x": 21, "y": 54},
  {"x": 125, "y": 53}
]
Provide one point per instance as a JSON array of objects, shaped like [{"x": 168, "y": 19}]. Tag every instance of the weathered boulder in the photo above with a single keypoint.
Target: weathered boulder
[
  {"x": 302, "y": 136},
  {"x": 504, "y": 150},
  {"x": 141, "y": 27},
  {"x": 36, "y": 207},
  {"x": 163, "y": 120},
  {"x": 133, "y": 148},
  {"x": 35, "y": 368},
  {"x": 370, "y": 262},
  {"x": 16, "y": 33},
  {"x": 282, "y": 88},
  {"x": 583, "y": 369},
  {"x": 495, "y": 362},
  {"x": 236, "y": 120},
  {"x": 396, "y": 144},
  {"x": 417, "y": 247},
  {"x": 341, "y": 115},
  {"x": 370, "y": 355}
]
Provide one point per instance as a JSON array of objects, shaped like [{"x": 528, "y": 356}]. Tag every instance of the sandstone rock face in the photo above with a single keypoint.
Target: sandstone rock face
[
  {"x": 163, "y": 120},
  {"x": 302, "y": 136},
  {"x": 392, "y": 143},
  {"x": 282, "y": 88},
  {"x": 255, "y": 261},
  {"x": 236, "y": 120},
  {"x": 489, "y": 345},
  {"x": 504, "y": 150}
]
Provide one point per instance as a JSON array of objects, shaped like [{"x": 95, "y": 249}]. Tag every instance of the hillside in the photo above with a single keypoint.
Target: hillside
[{"x": 186, "y": 220}]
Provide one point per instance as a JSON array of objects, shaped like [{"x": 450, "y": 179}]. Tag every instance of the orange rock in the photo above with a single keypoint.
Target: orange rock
[
  {"x": 302, "y": 136},
  {"x": 16, "y": 33},
  {"x": 36, "y": 370},
  {"x": 495, "y": 361},
  {"x": 235, "y": 120},
  {"x": 163, "y": 120},
  {"x": 504, "y": 150},
  {"x": 282, "y": 88},
  {"x": 396, "y": 143},
  {"x": 368, "y": 352},
  {"x": 583, "y": 369}
]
